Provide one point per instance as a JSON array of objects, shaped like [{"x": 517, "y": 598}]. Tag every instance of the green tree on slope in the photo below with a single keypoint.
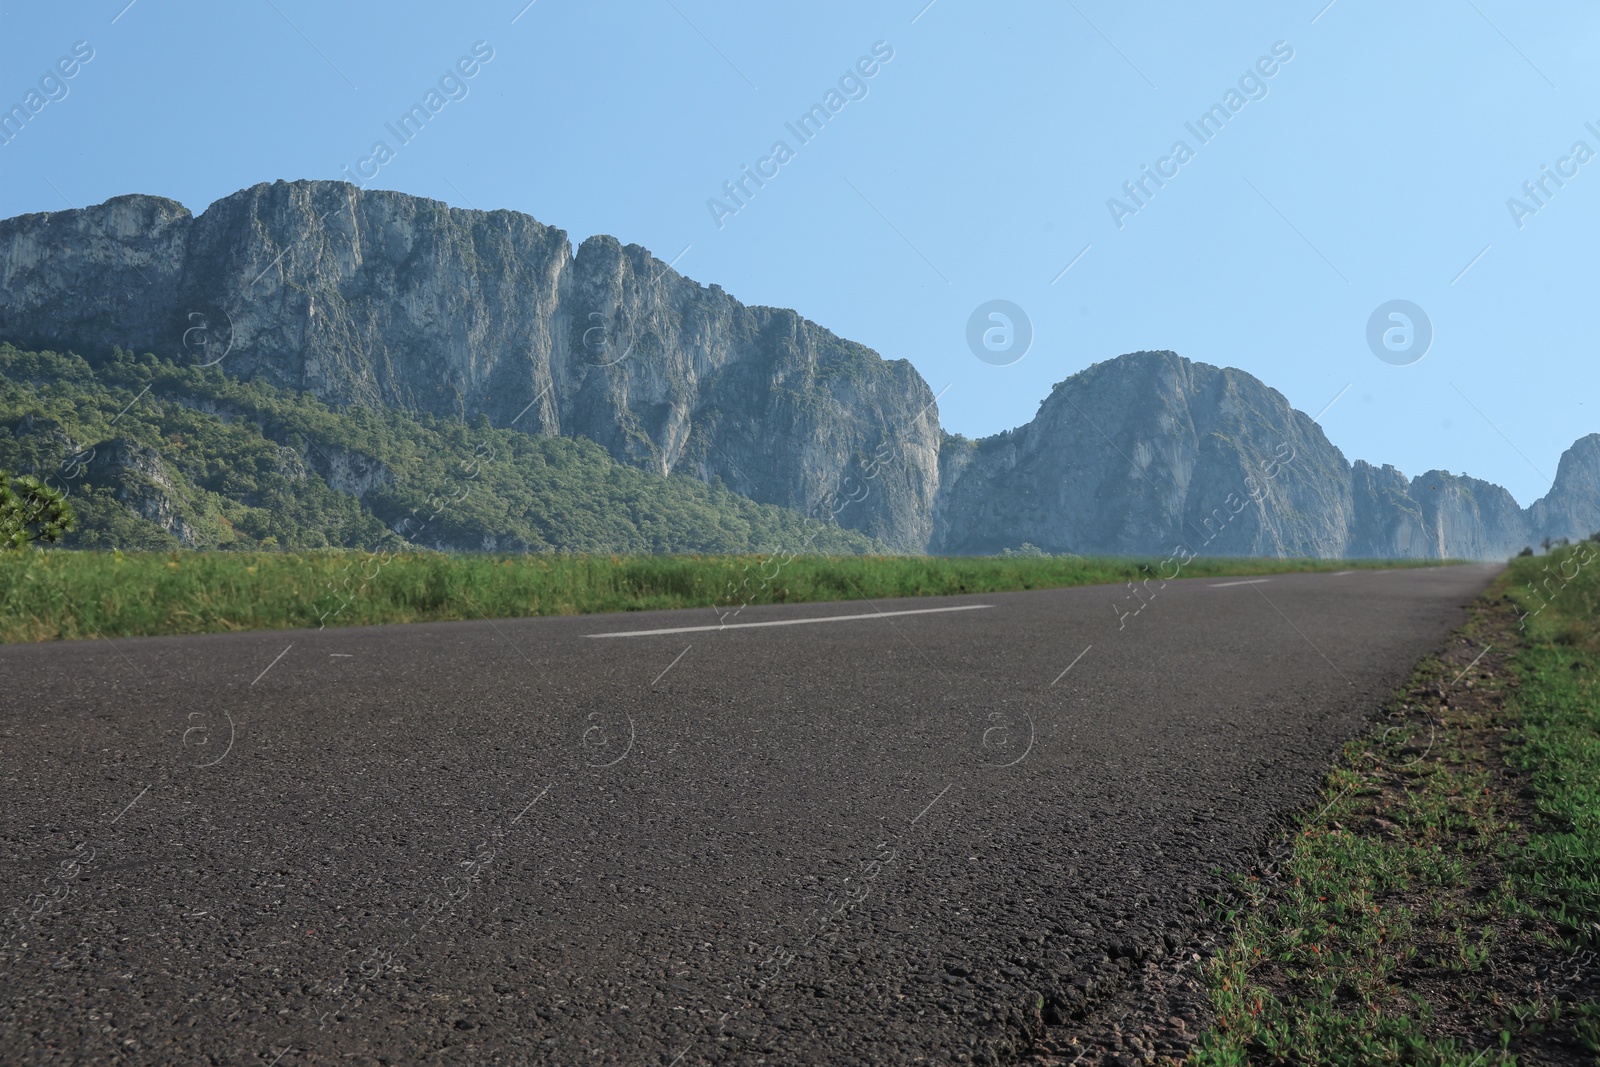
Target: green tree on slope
[{"x": 32, "y": 511}]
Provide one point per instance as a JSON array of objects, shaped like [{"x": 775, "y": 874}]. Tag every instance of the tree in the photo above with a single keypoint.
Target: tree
[{"x": 32, "y": 511}]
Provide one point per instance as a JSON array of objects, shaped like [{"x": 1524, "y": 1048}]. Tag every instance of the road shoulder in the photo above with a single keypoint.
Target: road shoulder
[{"x": 1421, "y": 911}]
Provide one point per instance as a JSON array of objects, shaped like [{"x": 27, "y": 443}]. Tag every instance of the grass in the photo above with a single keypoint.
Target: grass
[
  {"x": 1443, "y": 905},
  {"x": 47, "y": 595},
  {"x": 1557, "y": 745}
]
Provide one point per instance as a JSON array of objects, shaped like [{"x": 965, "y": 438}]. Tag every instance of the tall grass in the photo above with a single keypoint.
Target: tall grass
[
  {"x": 1557, "y": 740},
  {"x": 47, "y": 595}
]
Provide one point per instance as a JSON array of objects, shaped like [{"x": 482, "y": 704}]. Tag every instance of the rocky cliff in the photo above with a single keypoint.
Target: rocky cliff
[
  {"x": 1139, "y": 453},
  {"x": 1468, "y": 518},
  {"x": 383, "y": 299},
  {"x": 1387, "y": 522},
  {"x": 1149, "y": 452},
  {"x": 1572, "y": 507},
  {"x": 379, "y": 299}
]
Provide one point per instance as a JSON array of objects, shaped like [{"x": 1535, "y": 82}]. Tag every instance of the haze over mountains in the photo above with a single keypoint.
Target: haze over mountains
[{"x": 382, "y": 300}]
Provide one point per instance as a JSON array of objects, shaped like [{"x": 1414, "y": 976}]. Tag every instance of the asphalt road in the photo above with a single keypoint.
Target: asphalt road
[{"x": 868, "y": 840}]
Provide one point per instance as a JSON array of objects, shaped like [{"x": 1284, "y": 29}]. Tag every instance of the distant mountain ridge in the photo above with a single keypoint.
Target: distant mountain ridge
[
  {"x": 373, "y": 299},
  {"x": 1149, "y": 450}
]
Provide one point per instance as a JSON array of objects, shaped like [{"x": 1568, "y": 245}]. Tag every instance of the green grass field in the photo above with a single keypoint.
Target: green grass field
[
  {"x": 1448, "y": 887},
  {"x": 49, "y": 595}
]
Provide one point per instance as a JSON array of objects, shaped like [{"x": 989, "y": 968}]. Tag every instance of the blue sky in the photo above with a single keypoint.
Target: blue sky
[{"x": 976, "y": 164}]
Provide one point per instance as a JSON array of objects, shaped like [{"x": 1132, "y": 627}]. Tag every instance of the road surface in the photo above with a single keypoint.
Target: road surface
[{"x": 888, "y": 832}]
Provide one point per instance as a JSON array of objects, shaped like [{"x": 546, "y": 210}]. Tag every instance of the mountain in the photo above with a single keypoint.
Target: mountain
[
  {"x": 157, "y": 455},
  {"x": 382, "y": 300},
  {"x": 1149, "y": 451},
  {"x": 1468, "y": 518},
  {"x": 1388, "y": 523},
  {"x": 1574, "y": 498},
  {"x": 384, "y": 303},
  {"x": 1137, "y": 453}
]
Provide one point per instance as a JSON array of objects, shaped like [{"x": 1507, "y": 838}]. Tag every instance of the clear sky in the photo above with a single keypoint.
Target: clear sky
[{"x": 1374, "y": 163}]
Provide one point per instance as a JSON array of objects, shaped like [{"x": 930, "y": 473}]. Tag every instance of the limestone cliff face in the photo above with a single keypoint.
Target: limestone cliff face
[
  {"x": 1387, "y": 524},
  {"x": 1149, "y": 452},
  {"x": 1145, "y": 452},
  {"x": 1468, "y": 518},
  {"x": 142, "y": 483},
  {"x": 379, "y": 298},
  {"x": 1439, "y": 515},
  {"x": 1572, "y": 507},
  {"x": 371, "y": 299}
]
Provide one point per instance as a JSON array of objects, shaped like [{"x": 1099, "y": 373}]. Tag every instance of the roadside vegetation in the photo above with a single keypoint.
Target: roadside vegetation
[
  {"x": 1442, "y": 905},
  {"x": 51, "y": 594}
]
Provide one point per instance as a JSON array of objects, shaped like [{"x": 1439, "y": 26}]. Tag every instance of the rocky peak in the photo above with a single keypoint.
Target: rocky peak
[{"x": 1572, "y": 507}]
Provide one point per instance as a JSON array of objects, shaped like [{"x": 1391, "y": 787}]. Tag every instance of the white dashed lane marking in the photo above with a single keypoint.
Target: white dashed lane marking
[{"x": 790, "y": 622}]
